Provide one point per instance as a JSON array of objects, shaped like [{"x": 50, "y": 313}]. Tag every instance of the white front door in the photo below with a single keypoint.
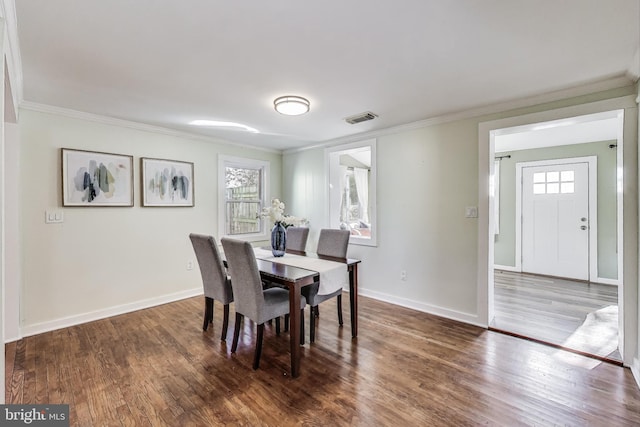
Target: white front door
[{"x": 555, "y": 220}]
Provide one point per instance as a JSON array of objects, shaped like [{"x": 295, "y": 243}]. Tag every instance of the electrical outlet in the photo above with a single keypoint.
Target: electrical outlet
[
  {"x": 189, "y": 265},
  {"x": 403, "y": 275},
  {"x": 471, "y": 212}
]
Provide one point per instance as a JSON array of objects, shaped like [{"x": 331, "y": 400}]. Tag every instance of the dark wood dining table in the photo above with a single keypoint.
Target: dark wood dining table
[{"x": 295, "y": 278}]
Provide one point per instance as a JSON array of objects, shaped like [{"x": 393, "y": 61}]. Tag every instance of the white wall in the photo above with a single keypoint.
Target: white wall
[
  {"x": 101, "y": 261},
  {"x": 635, "y": 367},
  {"x": 11, "y": 77},
  {"x": 426, "y": 178},
  {"x": 13, "y": 260},
  {"x": 423, "y": 187},
  {"x": 3, "y": 174},
  {"x": 305, "y": 189}
]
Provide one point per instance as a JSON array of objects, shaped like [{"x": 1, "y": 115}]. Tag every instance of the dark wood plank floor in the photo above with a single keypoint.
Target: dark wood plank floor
[
  {"x": 156, "y": 367},
  {"x": 576, "y": 315}
]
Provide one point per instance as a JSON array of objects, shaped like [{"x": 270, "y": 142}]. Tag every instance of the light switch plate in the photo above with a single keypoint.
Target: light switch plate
[{"x": 53, "y": 216}]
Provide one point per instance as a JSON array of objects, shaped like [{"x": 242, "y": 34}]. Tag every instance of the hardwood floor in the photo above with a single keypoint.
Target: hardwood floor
[
  {"x": 576, "y": 315},
  {"x": 157, "y": 367}
]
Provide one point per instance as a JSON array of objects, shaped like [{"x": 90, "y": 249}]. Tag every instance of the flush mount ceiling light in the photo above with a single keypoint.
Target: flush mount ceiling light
[{"x": 291, "y": 105}]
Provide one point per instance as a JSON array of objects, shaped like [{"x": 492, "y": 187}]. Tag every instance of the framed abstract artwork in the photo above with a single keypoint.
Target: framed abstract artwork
[
  {"x": 91, "y": 178},
  {"x": 166, "y": 182}
]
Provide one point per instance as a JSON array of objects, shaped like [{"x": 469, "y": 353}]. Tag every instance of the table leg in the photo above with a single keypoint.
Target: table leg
[
  {"x": 294, "y": 328},
  {"x": 353, "y": 298}
]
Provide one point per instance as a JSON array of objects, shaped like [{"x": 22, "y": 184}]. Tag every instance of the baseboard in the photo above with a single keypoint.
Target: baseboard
[
  {"x": 635, "y": 369},
  {"x": 506, "y": 268},
  {"x": 11, "y": 339},
  {"x": 600, "y": 280},
  {"x": 65, "y": 322},
  {"x": 603, "y": 281},
  {"x": 425, "y": 308}
]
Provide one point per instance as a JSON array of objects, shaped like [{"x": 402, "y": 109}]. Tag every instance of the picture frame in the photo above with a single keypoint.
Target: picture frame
[
  {"x": 93, "y": 178},
  {"x": 167, "y": 183}
]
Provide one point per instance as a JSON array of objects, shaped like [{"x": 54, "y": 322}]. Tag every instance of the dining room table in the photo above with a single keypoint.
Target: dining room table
[{"x": 296, "y": 270}]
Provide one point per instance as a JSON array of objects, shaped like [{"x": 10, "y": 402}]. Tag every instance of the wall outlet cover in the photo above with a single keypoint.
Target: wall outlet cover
[{"x": 471, "y": 212}]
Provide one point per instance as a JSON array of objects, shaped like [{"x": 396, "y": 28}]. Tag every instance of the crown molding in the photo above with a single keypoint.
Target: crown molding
[
  {"x": 90, "y": 117},
  {"x": 594, "y": 87},
  {"x": 586, "y": 89}
]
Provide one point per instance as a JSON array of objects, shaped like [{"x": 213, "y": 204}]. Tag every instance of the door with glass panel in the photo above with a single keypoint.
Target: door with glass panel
[{"x": 555, "y": 220}]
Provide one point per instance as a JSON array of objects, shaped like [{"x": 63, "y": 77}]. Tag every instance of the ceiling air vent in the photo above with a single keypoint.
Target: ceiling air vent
[{"x": 362, "y": 117}]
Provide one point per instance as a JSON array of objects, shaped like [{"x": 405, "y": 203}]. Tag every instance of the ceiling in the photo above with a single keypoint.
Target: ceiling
[
  {"x": 606, "y": 126},
  {"x": 167, "y": 62}
]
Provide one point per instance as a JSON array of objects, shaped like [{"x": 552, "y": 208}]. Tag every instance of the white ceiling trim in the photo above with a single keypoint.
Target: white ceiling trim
[
  {"x": 74, "y": 114},
  {"x": 598, "y": 86}
]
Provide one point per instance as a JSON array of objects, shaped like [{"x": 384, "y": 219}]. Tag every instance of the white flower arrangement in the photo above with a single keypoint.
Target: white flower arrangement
[{"x": 276, "y": 214}]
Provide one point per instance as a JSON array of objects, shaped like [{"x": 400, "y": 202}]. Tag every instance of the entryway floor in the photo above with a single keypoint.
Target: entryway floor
[{"x": 578, "y": 316}]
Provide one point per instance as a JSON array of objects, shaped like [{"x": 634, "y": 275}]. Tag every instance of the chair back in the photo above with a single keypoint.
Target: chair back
[
  {"x": 214, "y": 276},
  {"x": 333, "y": 243},
  {"x": 245, "y": 278},
  {"x": 297, "y": 238}
]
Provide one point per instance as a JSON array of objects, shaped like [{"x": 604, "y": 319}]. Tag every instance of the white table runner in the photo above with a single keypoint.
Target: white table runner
[{"x": 333, "y": 275}]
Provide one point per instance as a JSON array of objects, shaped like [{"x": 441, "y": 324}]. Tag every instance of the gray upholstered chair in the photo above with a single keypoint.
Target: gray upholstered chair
[
  {"x": 297, "y": 238},
  {"x": 216, "y": 282},
  {"x": 251, "y": 300},
  {"x": 296, "y": 241},
  {"x": 332, "y": 243}
]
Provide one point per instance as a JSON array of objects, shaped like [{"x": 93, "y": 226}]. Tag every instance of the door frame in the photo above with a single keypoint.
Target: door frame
[
  {"x": 592, "y": 161},
  {"x": 627, "y": 181}
]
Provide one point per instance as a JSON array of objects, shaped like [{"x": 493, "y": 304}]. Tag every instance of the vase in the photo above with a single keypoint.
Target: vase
[{"x": 278, "y": 239}]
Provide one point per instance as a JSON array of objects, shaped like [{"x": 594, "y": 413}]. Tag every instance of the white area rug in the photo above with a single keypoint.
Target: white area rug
[{"x": 597, "y": 335}]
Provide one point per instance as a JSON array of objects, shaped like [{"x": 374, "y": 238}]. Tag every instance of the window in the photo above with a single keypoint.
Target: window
[
  {"x": 243, "y": 184},
  {"x": 553, "y": 182},
  {"x": 352, "y": 190}
]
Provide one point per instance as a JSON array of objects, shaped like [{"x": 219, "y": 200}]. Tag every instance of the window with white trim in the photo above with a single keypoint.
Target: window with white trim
[
  {"x": 352, "y": 190},
  {"x": 243, "y": 192},
  {"x": 554, "y": 182}
]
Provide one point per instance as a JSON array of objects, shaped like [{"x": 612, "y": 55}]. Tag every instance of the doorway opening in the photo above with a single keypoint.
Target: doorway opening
[{"x": 556, "y": 255}]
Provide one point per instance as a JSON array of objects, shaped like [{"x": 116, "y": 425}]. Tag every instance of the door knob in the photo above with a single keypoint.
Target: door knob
[
  {"x": 584, "y": 227},
  {"x": 583, "y": 219}
]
